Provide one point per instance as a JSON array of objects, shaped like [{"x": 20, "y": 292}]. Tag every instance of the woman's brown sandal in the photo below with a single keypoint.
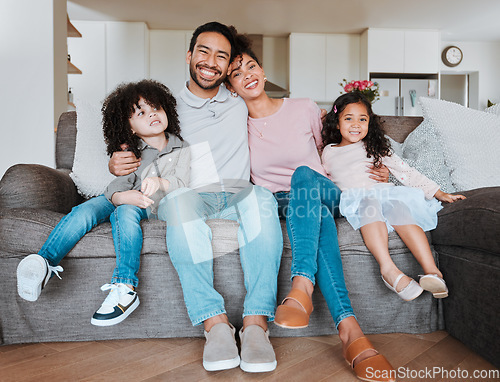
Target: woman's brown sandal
[
  {"x": 291, "y": 317},
  {"x": 371, "y": 369}
]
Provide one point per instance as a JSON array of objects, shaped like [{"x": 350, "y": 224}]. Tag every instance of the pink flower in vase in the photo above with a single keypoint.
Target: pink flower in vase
[
  {"x": 356, "y": 84},
  {"x": 348, "y": 88},
  {"x": 362, "y": 87}
]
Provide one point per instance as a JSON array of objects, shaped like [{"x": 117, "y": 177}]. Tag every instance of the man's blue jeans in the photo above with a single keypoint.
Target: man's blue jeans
[
  {"x": 126, "y": 228},
  {"x": 309, "y": 209},
  {"x": 190, "y": 248}
]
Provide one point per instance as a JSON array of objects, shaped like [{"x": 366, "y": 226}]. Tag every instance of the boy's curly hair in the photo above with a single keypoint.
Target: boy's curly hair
[
  {"x": 376, "y": 144},
  {"x": 119, "y": 106}
]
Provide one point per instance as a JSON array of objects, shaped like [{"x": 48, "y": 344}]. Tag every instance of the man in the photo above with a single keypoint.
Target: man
[{"x": 214, "y": 123}]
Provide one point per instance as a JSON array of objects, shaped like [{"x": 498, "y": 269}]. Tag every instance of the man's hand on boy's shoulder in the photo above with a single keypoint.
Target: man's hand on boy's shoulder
[{"x": 123, "y": 162}]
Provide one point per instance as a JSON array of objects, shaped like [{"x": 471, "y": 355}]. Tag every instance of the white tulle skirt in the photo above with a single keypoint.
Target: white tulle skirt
[{"x": 394, "y": 205}]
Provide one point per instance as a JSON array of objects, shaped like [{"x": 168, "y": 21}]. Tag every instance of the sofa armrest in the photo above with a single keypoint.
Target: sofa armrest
[
  {"x": 471, "y": 223},
  {"x": 37, "y": 186}
]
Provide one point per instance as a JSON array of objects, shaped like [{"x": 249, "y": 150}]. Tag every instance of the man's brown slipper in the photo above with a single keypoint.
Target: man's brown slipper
[
  {"x": 371, "y": 369},
  {"x": 291, "y": 317}
]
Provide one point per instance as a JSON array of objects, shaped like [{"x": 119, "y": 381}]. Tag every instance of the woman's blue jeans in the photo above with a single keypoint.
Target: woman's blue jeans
[
  {"x": 189, "y": 242},
  {"x": 126, "y": 229},
  {"x": 309, "y": 209}
]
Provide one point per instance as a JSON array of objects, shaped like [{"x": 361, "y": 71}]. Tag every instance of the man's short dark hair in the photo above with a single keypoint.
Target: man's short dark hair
[{"x": 229, "y": 32}]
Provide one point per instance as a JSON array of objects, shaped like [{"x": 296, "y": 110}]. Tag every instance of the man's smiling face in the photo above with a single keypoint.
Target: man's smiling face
[{"x": 209, "y": 61}]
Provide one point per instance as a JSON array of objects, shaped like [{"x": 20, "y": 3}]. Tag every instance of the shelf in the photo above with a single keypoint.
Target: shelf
[
  {"x": 72, "y": 69},
  {"x": 72, "y": 31}
]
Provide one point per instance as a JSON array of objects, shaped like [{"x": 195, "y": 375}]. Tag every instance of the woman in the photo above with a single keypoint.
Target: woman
[{"x": 284, "y": 138}]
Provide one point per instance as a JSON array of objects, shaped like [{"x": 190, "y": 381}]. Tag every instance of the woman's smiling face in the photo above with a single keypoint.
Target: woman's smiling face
[{"x": 246, "y": 77}]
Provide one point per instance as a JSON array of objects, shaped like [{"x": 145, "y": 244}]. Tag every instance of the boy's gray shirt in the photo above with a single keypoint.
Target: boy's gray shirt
[{"x": 172, "y": 163}]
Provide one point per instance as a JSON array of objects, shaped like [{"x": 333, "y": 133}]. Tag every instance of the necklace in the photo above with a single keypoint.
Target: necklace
[{"x": 261, "y": 136}]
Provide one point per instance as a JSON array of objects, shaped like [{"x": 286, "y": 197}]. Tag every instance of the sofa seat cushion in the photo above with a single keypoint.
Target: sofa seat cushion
[
  {"x": 471, "y": 223},
  {"x": 24, "y": 231}
]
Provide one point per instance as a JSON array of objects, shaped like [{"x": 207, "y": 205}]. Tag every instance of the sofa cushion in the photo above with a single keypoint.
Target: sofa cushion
[
  {"x": 36, "y": 186},
  {"x": 470, "y": 140},
  {"x": 90, "y": 168},
  {"x": 423, "y": 151},
  {"x": 471, "y": 223}
]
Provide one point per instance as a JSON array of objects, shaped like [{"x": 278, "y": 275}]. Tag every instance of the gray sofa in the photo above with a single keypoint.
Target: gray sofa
[{"x": 33, "y": 199}]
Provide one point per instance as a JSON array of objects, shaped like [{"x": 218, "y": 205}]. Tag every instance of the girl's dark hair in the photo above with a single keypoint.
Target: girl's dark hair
[
  {"x": 376, "y": 144},
  {"x": 119, "y": 106},
  {"x": 229, "y": 32}
]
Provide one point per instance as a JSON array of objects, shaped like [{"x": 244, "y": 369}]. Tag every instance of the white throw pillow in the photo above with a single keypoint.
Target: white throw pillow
[
  {"x": 470, "y": 140},
  {"x": 90, "y": 166}
]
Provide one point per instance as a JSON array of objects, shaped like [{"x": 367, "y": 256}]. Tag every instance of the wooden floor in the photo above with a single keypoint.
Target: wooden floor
[{"x": 307, "y": 359}]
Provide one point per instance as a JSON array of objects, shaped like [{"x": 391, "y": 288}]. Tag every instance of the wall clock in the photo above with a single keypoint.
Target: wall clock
[{"x": 452, "y": 56}]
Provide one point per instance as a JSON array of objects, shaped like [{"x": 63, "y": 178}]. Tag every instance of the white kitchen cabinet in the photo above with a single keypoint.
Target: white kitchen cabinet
[
  {"x": 110, "y": 53},
  {"x": 401, "y": 51},
  {"x": 318, "y": 62},
  {"x": 342, "y": 61},
  {"x": 308, "y": 66},
  {"x": 168, "y": 57},
  {"x": 422, "y": 51}
]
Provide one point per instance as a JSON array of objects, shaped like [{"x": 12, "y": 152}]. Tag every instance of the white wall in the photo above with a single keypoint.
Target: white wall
[
  {"x": 482, "y": 60},
  {"x": 167, "y": 55},
  {"x": 32, "y": 78},
  {"x": 108, "y": 53}
]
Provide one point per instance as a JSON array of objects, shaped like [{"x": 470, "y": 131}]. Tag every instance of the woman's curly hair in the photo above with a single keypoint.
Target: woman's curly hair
[
  {"x": 376, "y": 144},
  {"x": 119, "y": 106},
  {"x": 243, "y": 45}
]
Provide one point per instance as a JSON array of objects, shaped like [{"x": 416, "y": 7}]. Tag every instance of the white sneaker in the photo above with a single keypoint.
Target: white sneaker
[
  {"x": 33, "y": 273},
  {"x": 121, "y": 301}
]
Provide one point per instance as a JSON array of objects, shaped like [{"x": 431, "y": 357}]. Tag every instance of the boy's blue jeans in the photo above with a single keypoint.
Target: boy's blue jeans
[
  {"x": 309, "y": 209},
  {"x": 190, "y": 248},
  {"x": 127, "y": 235}
]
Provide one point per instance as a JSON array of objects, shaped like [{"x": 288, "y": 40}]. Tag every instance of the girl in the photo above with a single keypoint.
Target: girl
[
  {"x": 143, "y": 115},
  {"x": 352, "y": 134},
  {"x": 284, "y": 136}
]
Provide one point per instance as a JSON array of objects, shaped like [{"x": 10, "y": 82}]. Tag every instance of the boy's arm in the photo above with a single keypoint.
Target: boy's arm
[
  {"x": 121, "y": 191},
  {"x": 132, "y": 197}
]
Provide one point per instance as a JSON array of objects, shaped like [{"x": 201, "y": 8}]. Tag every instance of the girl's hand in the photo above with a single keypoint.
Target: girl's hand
[
  {"x": 150, "y": 185},
  {"x": 380, "y": 174},
  {"x": 133, "y": 197},
  {"x": 123, "y": 162},
  {"x": 445, "y": 197}
]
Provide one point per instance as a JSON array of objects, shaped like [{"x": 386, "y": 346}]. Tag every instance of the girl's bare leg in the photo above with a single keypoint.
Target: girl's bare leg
[
  {"x": 376, "y": 239},
  {"x": 416, "y": 241}
]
